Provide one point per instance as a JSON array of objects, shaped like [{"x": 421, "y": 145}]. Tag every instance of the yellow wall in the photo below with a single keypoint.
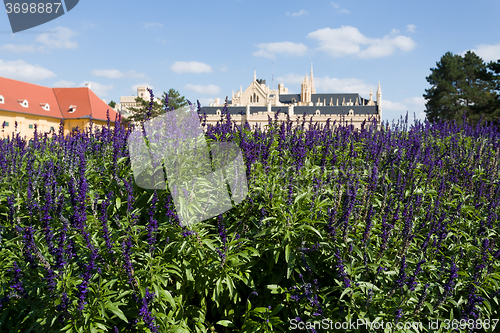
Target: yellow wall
[
  {"x": 44, "y": 124},
  {"x": 23, "y": 121}
]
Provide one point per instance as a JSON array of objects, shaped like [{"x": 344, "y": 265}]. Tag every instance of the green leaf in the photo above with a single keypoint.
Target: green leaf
[
  {"x": 119, "y": 313},
  {"x": 225, "y": 323},
  {"x": 287, "y": 252}
]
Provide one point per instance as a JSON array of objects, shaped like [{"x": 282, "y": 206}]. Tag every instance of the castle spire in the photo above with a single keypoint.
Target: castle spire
[
  {"x": 313, "y": 89},
  {"x": 254, "y": 75},
  {"x": 379, "y": 99}
]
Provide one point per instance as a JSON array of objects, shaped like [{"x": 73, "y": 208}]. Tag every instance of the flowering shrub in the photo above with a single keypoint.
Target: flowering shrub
[{"x": 394, "y": 224}]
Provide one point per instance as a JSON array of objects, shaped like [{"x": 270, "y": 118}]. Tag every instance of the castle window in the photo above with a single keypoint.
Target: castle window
[
  {"x": 30, "y": 126},
  {"x": 318, "y": 112},
  {"x": 5, "y": 124},
  {"x": 250, "y": 99},
  {"x": 218, "y": 112},
  {"x": 257, "y": 99},
  {"x": 51, "y": 128},
  {"x": 45, "y": 106},
  {"x": 351, "y": 112},
  {"x": 2, "y": 101},
  {"x": 72, "y": 108}
]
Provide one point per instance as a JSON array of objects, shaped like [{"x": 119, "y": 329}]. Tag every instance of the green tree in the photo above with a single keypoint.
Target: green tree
[
  {"x": 138, "y": 114},
  {"x": 461, "y": 85},
  {"x": 112, "y": 104},
  {"x": 175, "y": 100}
]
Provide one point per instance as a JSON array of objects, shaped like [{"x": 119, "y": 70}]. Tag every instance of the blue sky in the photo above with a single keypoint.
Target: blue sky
[{"x": 206, "y": 49}]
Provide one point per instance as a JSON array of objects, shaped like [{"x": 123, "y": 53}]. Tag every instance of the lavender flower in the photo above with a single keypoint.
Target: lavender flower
[{"x": 341, "y": 269}]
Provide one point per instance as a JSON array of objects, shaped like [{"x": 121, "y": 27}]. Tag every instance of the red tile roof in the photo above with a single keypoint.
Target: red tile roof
[{"x": 59, "y": 99}]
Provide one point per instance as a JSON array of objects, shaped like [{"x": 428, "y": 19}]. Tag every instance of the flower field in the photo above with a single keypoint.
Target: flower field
[{"x": 397, "y": 224}]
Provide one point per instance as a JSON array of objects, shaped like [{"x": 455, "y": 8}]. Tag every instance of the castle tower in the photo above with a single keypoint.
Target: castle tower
[
  {"x": 313, "y": 89},
  {"x": 143, "y": 93},
  {"x": 379, "y": 98},
  {"x": 306, "y": 90}
]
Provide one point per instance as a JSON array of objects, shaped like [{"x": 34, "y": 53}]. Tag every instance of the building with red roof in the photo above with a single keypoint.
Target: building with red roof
[{"x": 29, "y": 104}]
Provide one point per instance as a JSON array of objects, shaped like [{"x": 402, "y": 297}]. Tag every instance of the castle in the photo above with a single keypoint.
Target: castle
[
  {"x": 258, "y": 101},
  {"x": 127, "y": 102}
]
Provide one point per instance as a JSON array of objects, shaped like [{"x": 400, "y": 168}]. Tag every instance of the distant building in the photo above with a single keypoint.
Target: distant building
[
  {"x": 127, "y": 102},
  {"x": 258, "y": 101},
  {"x": 29, "y": 104}
]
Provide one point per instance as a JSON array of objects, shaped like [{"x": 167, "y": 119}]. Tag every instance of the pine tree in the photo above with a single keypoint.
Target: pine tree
[
  {"x": 463, "y": 85},
  {"x": 140, "y": 114}
]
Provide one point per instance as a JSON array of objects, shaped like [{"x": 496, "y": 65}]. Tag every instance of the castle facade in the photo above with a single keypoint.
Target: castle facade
[{"x": 257, "y": 102}]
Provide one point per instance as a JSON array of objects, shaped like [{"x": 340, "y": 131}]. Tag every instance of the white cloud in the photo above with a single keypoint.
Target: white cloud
[
  {"x": 21, "y": 70},
  {"x": 269, "y": 50},
  {"x": 98, "y": 89},
  {"x": 223, "y": 68},
  {"x": 206, "y": 101},
  {"x": 63, "y": 84},
  {"x": 161, "y": 40},
  {"x": 340, "y": 10},
  {"x": 415, "y": 107},
  {"x": 393, "y": 106},
  {"x": 152, "y": 24},
  {"x": 116, "y": 74},
  {"x": 60, "y": 39},
  {"x": 299, "y": 13},
  {"x": 347, "y": 40},
  {"x": 411, "y": 28},
  {"x": 291, "y": 79},
  {"x": 200, "y": 89},
  {"x": 329, "y": 85},
  {"x": 19, "y": 48},
  {"x": 418, "y": 101},
  {"x": 486, "y": 52},
  {"x": 326, "y": 84},
  {"x": 190, "y": 67},
  {"x": 386, "y": 46}
]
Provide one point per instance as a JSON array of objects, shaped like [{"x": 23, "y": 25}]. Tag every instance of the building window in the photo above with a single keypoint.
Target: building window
[
  {"x": 30, "y": 126},
  {"x": 5, "y": 124},
  {"x": 257, "y": 99},
  {"x": 2, "y": 101},
  {"x": 317, "y": 112},
  {"x": 250, "y": 99},
  {"x": 52, "y": 128},
  {"x": 24, "y": 103}
]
